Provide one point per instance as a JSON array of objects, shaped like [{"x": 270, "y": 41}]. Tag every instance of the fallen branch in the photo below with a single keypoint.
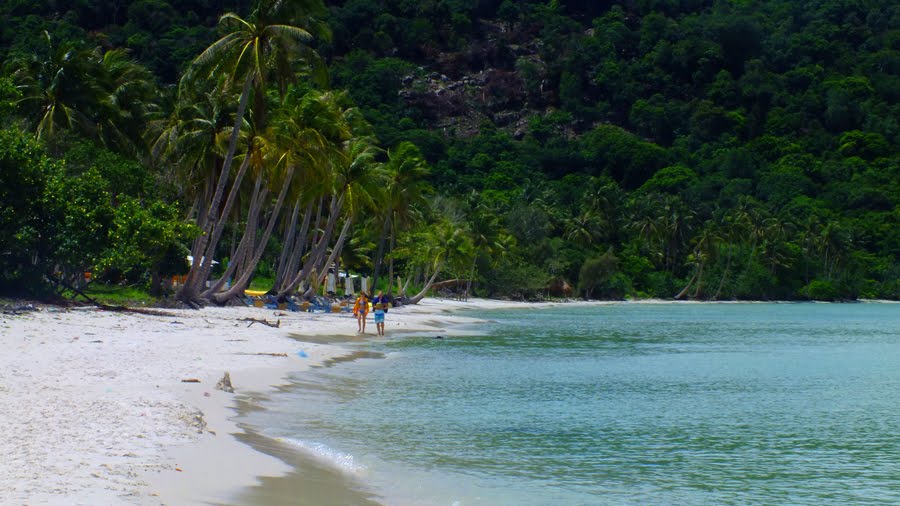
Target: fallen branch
[
  {"x": 190, "y": 380},
  {"x": 264, "y": 354},
  {"x": 264, "y": 322}
]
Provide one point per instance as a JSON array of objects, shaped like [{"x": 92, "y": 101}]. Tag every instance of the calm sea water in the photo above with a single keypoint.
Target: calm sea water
[{"x": 618, "y": 404}]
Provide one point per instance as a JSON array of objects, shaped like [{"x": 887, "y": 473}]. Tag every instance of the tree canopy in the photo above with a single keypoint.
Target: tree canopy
[{"x": 706, "y": 149}]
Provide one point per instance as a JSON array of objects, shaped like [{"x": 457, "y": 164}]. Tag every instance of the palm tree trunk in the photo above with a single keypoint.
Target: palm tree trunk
[
  {"x": 213, "y": 244},
  {"x": 684, "y": 291},
  {"x": 699, "y": 289},
  {"x": 319, "y": 248},
  {"x": 188, "y": 293},
  {"x": 724, "y": 276},
  {"x": 421, "y": 295},
  {"x": 241, "y": 284},
  {"x": 391, "y": 261},
  {"x": 297, "y": 250},
  {"x": 290, "y": 229},
  {"x": 379, "y": 256},
  {"x": 236, "y": 259},
  {"x": 338, "y": 246},
  {"x": 247, "y": 239},
  {"x": 405, "y": 286}
]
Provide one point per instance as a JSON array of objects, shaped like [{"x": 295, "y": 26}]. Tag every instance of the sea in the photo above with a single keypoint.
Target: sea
[{"x": 615, "y": 404}]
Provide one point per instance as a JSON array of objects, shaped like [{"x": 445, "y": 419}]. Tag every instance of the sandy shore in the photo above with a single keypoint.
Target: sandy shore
[{"x": 96, "y": 410}]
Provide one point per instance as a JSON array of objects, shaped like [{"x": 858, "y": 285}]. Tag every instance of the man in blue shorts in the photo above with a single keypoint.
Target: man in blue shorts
[{"x": 379, "y": 304}]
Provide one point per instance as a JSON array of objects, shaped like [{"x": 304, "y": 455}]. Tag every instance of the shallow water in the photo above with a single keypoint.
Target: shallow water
[{"x": 617, "y": 404}]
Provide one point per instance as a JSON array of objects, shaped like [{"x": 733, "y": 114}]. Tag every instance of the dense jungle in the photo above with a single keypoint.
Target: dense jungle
[{"x": 687, "y": 149}]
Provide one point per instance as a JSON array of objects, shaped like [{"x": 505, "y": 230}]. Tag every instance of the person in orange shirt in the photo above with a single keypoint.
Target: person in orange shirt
[{"x": 361, "y": 310}]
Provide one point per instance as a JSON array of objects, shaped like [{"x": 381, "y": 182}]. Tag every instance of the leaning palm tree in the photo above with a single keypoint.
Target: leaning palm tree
[
  {"x": 326, "y": 121},
  {"x": 441, "y": 246},
  {"x": 359, "y": 180},
  {"x": 254, "y": 52},
  {"x": 191, "y": 141}
]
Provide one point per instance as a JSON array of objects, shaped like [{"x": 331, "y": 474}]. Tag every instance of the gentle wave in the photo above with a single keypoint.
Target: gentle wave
[{"x": 343, "y": 461}]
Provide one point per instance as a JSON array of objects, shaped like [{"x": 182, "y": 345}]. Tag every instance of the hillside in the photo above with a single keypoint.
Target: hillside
[{"x": 697, "y": 149}]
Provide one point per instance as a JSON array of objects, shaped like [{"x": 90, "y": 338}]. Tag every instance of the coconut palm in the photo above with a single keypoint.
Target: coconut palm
[
  {"x": 253, "y": 52},
  {"x": 444, "y": 245},
  {"x": 359, "y": 182},
  {"x": 406, "y": 192},
  {"x": 60, "y": 88},
  {"x": 328, "y": 122},
  {"x": 705, "y": 248},
  {"x": 130, "y": 98}
]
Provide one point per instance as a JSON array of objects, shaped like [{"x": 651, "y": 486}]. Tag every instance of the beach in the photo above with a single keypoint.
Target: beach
[{"x": 104, "y": 407}]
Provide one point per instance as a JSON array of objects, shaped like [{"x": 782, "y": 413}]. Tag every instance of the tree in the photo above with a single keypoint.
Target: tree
[
  {"x": 58, "y": 87},
  {"x": 255, "y": 50},
  {"x": 446, "y": 245},
  {"x": 406, "y": 189}
]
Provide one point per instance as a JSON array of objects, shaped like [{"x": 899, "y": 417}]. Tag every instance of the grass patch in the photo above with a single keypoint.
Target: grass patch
[
  {"x": 116, "y": 295},
  {"x": 261, "y": 283}
]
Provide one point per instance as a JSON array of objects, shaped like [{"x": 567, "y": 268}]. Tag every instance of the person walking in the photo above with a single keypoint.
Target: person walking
[
  {"x": 380, "y": 309},
  {"x": 379, "y": 304},
  {"x": 361, "y": 310}
]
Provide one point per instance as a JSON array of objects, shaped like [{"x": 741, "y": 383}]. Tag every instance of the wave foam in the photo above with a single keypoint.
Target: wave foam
[{"x": 343, "y": 461}]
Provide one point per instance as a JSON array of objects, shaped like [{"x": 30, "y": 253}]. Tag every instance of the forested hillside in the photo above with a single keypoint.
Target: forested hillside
[{"x": 655, "y": 148}]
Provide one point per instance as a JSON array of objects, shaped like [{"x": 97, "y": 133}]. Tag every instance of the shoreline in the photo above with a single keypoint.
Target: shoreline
[{"x": 97, "y": 412}]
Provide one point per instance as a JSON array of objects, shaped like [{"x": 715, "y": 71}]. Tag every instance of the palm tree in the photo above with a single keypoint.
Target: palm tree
[
  {"x": 488, "y": 237},
  {"x": 443, "y": 245},
  {"x": 730, "y": 234},
  {"x": 191, "y": 143},
  {"x": 406, "y": 191},
  {"x": 254, "y": 51},
  {"x": 59, "y": 87},
  {"x": 585, "y": 228},
  {"x": 336, "y": 150},
  {"x": 102, "y": 96},
  {"x": 130, "y": 98},
  {"x": 360, "y": 179},
  {"x": 705, "y": 246},
  {"x": 288, "y": 145}
]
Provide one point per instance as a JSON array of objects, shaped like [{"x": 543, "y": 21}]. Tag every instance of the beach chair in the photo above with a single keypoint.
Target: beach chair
[{"x": 320, "y": 303}]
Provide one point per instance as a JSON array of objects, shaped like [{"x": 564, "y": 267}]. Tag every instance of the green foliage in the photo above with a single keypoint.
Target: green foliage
[
  {"x": 25, "y": 241},
  {"x": 600, "y": 277},
  {"x": 148, "y": 237},
  {"x": 820, "y": 290},
  {"x": 646, "y": 143},
  {"x": 613, "y": 151},
  {"x": 673, "y": 179}
]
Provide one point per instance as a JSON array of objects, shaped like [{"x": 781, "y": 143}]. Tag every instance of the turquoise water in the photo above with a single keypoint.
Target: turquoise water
[{"x": 618, "y": 404}]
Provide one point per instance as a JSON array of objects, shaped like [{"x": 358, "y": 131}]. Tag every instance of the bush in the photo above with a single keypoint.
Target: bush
[{"x": 820, "y": 290}]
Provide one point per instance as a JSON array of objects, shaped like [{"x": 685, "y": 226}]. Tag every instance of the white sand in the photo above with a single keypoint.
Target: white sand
[{"x": 93, "y": 409}]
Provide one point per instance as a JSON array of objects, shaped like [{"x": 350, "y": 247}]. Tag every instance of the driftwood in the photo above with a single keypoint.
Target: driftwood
[
  {"x": 190, "y": 380},
  {"x": 264, "y": 322},
  {"x": 264, "y": 354}
]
